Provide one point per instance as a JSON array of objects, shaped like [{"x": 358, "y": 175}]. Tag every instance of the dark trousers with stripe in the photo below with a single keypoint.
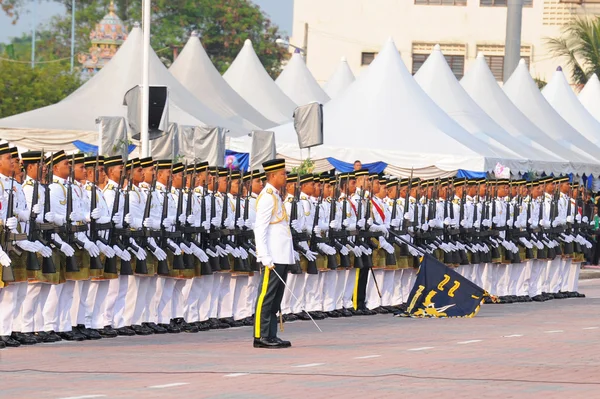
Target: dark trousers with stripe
[
  {"x": 361, "y": 287},
  {"x": 270, "y": 293}
]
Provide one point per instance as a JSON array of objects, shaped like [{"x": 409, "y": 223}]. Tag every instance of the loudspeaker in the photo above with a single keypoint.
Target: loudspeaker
[{"x": 157, "y": 111}]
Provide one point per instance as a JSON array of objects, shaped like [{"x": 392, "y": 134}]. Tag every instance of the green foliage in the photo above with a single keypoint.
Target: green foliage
[
  {"x": 540, "y": 83},
  {"x": 223, "y": 26},
  {"x": 307, "y": 166},
  {"x": 23, "y": 88},
  {"x": 579, "y": 46}
]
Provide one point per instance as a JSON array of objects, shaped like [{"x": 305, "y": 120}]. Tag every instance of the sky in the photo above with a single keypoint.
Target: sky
[{"x": 280, "y": 12}]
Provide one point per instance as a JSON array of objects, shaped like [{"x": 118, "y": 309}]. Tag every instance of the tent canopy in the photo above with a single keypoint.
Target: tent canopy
[
  {"x": 524, "y": 93},
  {"x": 437, "y": 80},
  {"x": 341, "y": 79},
  {"x": 590, "y": 96},
  {"x": 247, "y": 76},
  {"x": 385, "y": 115},
  {"x": 481, "y": 85},
  {"x": 560, "y": 95},
  {"x": 56, "y": 126},
  {"x": 195, "y": 71},
  {"x": 298, "y": 83}
]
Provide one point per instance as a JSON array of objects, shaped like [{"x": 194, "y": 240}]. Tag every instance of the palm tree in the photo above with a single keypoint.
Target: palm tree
[{"x": 580, "y": 46}]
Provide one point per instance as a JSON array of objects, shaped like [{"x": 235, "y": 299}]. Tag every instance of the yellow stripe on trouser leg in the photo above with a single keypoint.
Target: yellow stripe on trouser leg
[
  {"x": 355, "y": 296},
  {"x": 259, "y": 303}
]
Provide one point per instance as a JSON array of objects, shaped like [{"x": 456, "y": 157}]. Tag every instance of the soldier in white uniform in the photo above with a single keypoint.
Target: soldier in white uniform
[{"x": 275, "y": 251}]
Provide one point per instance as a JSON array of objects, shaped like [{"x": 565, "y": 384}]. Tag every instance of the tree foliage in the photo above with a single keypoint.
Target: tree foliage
[
  {"x": 579, "y": 46},
  {"x": 23, "y": 88},
  {"x": 223, "y": 26}
]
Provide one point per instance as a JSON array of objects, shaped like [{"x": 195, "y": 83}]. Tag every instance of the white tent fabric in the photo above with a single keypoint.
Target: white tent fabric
[
  {"x": 437, "y": 80},
  {"x": 386, "y": 116},
  {"x": 481, "y": 85},
  {"x": 298, "y": 83},
  {"x": 57, "y": 126},
  {"x": 524, "y": 93},
  {"x": 560, "y": 95},
  {"x": 194, "y": 70},
  {"x": 341, "y": 79},
  {"x": 247, "y": 76},
  {"x": 590, "y": 96}
]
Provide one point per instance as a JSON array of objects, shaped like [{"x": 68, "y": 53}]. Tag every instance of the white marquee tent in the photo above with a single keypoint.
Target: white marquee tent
[
  {"x": 298, "y": 83},
  {"x": 341, "y": 79},
  {"x": 247, "y": 76},
  {"x": 524, "y": 93},
  {"x": 386, "y": 116},
  {"x": 56, "y": 126},
  {"x": 590, "y": 96},
  {"x": 194, "y": 70},
  {"x": 481, "y": 85},
  {"x": 437, "y": 80},
  {"x": 560, "y": 95}
]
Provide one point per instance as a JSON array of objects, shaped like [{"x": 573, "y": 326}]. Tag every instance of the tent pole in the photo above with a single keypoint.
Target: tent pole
[{"x": 145, "y": 80}]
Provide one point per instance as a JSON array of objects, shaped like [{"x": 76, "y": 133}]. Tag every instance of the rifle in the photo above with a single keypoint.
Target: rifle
[
  {"x": 32, "y": 261},
  {"x": 126, "y": 233},
  {"x": 239, "y": 264},
  {"x": 224, "y": 260},
  {"x": 214, "y": 234},
  {"x": 332, "y": 263},
  {"x": 165, "y": 235},
  {"x": 188, "y": 230},
  {"x": 110, "y": 264},
  {"x": 188, "y": 260},
  {"x": 7, "y": 272},
  {"x": 71, "y": 264},
  {"x": 48, "y": 266},
  {"x": 95, "y": 262}
]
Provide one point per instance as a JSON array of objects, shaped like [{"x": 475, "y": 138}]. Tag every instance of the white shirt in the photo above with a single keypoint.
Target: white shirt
[{"x": 271, "y": 229}]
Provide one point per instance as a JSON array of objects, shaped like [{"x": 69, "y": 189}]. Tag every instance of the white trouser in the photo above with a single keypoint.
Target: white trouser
[
  {"x": 312, "y": 296},
  {"x": 387, "y": 288},
  {"x": 372, "y": 298},
  {"x": 204, "y": 297},
  {"x": 287, "y": 300},
  {"x": 30, "y": 304},
  {"x": 179, "y": 297},
  {"x": 18, "y": 305},
  {"x": 340, "y": 285},
  {"x": 153, "y": 297},
  {"x": 253, "y": 282},
  {"x": 127, "y": 291},
  {"x": 50, "y": 308},
  {"x": 398, "y": 295},
  {"x": 165, "y": 307},
  {"x": 192, "y": 292},
  {"x": 573, "y": 283},
  {"x": 138, "y": 314},
  {"x": 349, "y": 288},
  {"x": 242, "y": 308},
  {"x": 536, "y": 280},
  {"x": 111, "y": 299},
  {"x": 226, "y": 293},
  {"x": 298, "y": 303},
  {"x": 8, "y": 303},
  {"x": 554, "y": 269},
  {"x": 329, "y": 289},
  {"x": 65, "y": 301}
]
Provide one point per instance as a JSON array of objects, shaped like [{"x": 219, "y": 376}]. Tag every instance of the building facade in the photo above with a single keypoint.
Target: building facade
[{"x": 357, "y": 29}]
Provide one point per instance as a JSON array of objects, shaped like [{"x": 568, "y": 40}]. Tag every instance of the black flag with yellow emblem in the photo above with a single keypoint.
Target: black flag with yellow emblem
[{"x": 441, "y": 292}]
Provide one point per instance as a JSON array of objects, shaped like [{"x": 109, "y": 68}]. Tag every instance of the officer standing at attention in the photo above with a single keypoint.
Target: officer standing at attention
[{"x": 275, "y": 251}]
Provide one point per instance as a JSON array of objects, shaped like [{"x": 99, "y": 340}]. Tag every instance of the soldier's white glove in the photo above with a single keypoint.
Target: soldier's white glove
[
  {"x": 232, "y": 251},
  {"x": 153, "y": 224},
  {"x": 4, "y": 259},
  {"x": 50, "y": 217},
  {"x": 240, "y": 223},
  {"x": 27, "y": 246},
  {"x": 249, "y": 225},
  {"x": 243, "y": 253},
  {"x": 356, "y": 250},
  {"x": 117, "y": 219},
  {"x": 361, "y": 223},
  {"x": 168, "y": 223},
  {"x": 186, "y": 250},
  {"x": 173, "y": 247},
  {"x": 396, "y": 223},
  {"x": 578, "y": 218},
  {"x": 37, "y": 209},
  {"x": 12, "y": 223},
  {"x": 545, "y": 223},
  {"x": 509, "y": 223},
  {"x": 91, "y": 249},
  {"x": 486, "y": 223},
  {"x": 584, "y": 219},
  {"x": 199, "y": 253},
  {"x": 159, "y": 254},
  {"x": 413, "y": 251},
  {"x": 296, "y": 256},
  {"x": 344, "y": 250},
  {"x": 230, "y": 224},
  {"x": 349, "y": 226},
  {"x": 425, "y": 227},
  {"x": 206, "y": 225},
  {"x": 326, "y": 249},
  {"x": 211, "y": 253},
  {"x": 386, "y": 245},
  {"x": 251, "y": 252},
  {"x": 191, "y": 219},
  {"x": 539, "y": 245},
  {"x": 334, "y": 224},
  {"x": 140, "y": 254},
  {"x": 182, "y": 218},
  {"x": 67, "y": 249},
  {"x": 95, "y": 214},
  {"x": 569, "y": 219},
  {"x": 295, "y": 224},
  {"x": 447, "y": 222},
  {"x": 303, "y": 245},
  {"x": 317, "y": 230},
  {"x": 556, "y": 222},
  {"x": 105, "y": 249},
  {"x": 117, "y": 250},
  {"x": 496, "y": 220},
  {"x": 525, "y": 242},
  {"x": 46, "y": 252},
  {"x": 310, "y": 256},
  {"x": 216, "y": 221},
  {"x": 124, "y": 255}
]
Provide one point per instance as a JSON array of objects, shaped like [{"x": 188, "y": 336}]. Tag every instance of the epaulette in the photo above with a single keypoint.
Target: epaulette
[
  {"x": 304, "y": 197},
  {"x": 110, "y": 186},
  {"x": 412, "y": 200},
  {"x": 197, "y": 190},
  {"x": 88, "y": 187},
  {"x": 28, "y": 182},
  {"x": 455, "y": 201},
  {"x": 269, "y": 190},
  {"x": 328, "y": 199},
  {"x": 289, "y": 199}
]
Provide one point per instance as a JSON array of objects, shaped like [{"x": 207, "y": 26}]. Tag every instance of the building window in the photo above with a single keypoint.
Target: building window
[
  {"x": 456, "y": 63},
  {"x": 502, "y": 3},
  {"x": 496, "y": 64},
  {"x": 441, "y": 2},
  {"x": 367, "y": 58}
]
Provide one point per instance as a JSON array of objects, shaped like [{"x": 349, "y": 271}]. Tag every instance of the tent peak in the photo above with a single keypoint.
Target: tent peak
[
  {"x": 136, "y": 24},
  {"x": 480, "y": 55},
  {"x": 248, "y": 43},
  {"x": 194, "y": 34},
  {"x": 522, "y": 61},
  {"x": 344, "y": 59},
  {"x": 437, "y": 47},
  {"x": 559, "y": 69}
]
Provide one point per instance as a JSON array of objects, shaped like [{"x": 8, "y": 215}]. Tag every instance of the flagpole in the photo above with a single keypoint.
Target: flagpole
[
  {"x": 33, "y": 34},
  {"x": 145, "y": 80}
]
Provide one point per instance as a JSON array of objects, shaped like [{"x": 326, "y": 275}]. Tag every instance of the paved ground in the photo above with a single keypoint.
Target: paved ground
[{"x": 532, "y": 350}]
